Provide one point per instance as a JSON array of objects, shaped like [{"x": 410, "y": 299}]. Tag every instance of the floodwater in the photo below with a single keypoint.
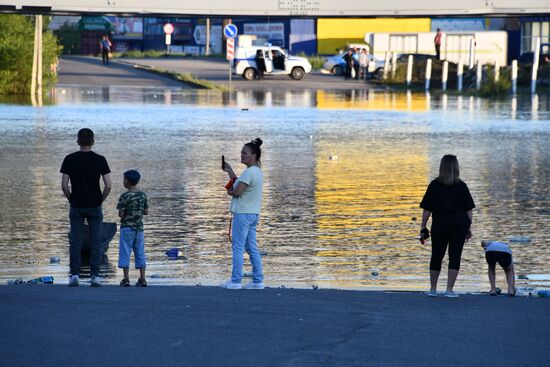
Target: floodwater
[{"x": 346, "y": 222}]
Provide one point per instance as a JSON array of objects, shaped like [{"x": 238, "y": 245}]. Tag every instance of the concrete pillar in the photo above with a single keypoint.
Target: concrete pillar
[
  {"x": 428, "y": 74},
  {"x": 386, "y": 64},
  {"x": 478, "y": 75},
  {"x": 444, "y": 75},
  {"x": 459, "y": 73},
  {"x": 409, "y": 69},
  {"x": 393, "y": 64},
  {"x": 514, "y": 76},
  {"x": 536, "y": 56}
]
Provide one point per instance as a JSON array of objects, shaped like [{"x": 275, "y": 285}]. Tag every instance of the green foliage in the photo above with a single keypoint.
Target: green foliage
[
  {"x": 135, "y": 54},
  {"x": 16, "y": 54},
  {"x": 316, "y": 61},
  {"x": 69, "y": 37},
  {"x": 492, "y": 88}
]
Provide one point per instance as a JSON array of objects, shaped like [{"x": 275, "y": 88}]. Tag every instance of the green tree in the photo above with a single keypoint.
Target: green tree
[{"x": 16, "y": 54}]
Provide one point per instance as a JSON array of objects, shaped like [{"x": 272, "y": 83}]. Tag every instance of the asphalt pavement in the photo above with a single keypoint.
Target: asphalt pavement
[
  {"x": 54, "y": 325},
  {"x": 217, "y": 71},
  {"x": 89, "y": 71},
  {"x": 82, "y": 70}
]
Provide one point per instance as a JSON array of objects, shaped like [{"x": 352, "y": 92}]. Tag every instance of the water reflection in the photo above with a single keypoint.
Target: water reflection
[
  {"x": 349, "y": 221},
  {"x": 367, "y": 99}
]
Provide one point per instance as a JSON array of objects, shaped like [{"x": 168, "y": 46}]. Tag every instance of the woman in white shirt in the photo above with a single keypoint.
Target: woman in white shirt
[{"x": 246, "y": 203}]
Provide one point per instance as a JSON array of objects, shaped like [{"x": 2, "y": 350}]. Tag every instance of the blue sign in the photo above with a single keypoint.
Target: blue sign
[{"x": 230, "y": 31}]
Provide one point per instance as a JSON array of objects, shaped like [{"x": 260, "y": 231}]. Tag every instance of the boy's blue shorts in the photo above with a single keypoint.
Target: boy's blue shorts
[{"x": 130, "y": 239}]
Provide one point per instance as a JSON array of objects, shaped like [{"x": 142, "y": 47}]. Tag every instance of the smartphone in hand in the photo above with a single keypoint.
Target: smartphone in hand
[{"x": 223, "y": 162}]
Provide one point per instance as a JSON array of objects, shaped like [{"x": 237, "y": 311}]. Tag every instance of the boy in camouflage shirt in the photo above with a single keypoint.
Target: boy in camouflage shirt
[{"x": 132, "y": 205}]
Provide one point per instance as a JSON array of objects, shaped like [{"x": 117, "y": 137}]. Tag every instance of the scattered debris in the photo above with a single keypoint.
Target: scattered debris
[
  {"x": 175, "y": 254},
  {"x": 333, "y": 157},
  {"x": 519, "y": 239},
  {"x": 55, "y": 260},
  {"x": 315, "y": 287},
  {"x": 263, "y": 253},
  {"x": 16, "y": 281},
  {"x": 413, "y": 219},
  {"x": 248, "y": 274},
  {"x": 41, "y": 280},
  {"x": 374, "y": 273}
]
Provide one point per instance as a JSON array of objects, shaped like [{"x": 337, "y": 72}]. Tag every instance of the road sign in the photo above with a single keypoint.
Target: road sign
[
  {"x": 230, "y": 49},
  {"x": 168, "y": 39},
  {"x": 230, "y": 31},
  {"x": 168, "y": 28}
]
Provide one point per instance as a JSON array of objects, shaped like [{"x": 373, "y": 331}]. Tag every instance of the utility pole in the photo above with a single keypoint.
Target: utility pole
[{"x": 36, "y": 77}]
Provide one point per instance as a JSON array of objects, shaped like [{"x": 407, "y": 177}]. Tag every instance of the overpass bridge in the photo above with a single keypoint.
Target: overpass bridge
[{"x": 295, "y": 8}]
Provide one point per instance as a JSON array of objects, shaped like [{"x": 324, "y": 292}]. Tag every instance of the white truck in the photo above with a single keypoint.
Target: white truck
[
  {"x": 485, "y": 46},
  {"x": 277, "y": 62}
]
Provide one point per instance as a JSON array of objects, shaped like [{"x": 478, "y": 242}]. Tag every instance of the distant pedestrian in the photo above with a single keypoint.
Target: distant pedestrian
[
  {"x": 450, "y": 204},
  {"x": 105, "y": 47},
  {"x": 499, "y": 252},
  {"x": 348, "y": 59},
  {"x": 260, "y": 64},
  {"x": 437, "y": 44},
  {"x": 356, "y": 63},
  {"x": 364, "y": 64},
  {"x": 83, "y": 170},
  {"x": 132, "y": 206},
  {"x": 246, "y": 203}
]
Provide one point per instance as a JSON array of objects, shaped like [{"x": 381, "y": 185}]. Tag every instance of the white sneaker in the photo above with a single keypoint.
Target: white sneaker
[
  {"x": 450, "y": 294},
  {"x": 230, "y": 285},
  {"x": 73, "y": 281},
  {"x": 94, "y": 281},
  {"x": 252, "y": 285}
]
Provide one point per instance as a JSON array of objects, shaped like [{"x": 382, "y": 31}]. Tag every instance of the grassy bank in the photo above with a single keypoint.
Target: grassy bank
[
  {"x": 489, "y": 87},
  {"x": 184, "y": 77}
]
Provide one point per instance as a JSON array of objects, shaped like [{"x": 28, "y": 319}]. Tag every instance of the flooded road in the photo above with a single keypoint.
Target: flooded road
[{"x": 346, "y": 222}]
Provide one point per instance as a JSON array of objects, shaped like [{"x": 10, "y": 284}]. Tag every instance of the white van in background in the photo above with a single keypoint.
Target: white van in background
[
  {"x": 277, "y": 62},
  {"x": 488, "y": 46}
]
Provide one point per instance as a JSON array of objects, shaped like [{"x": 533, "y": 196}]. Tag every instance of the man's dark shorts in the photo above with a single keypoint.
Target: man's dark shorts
[{"x": 504, "y": 259}]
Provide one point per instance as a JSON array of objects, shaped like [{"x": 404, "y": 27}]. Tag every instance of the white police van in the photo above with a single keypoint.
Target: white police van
[{"x": 277, "y": 62}]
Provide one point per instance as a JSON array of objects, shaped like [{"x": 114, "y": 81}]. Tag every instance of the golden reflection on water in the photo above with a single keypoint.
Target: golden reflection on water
[
  {"x": 367, "y": 198},
  {"x": 370, "y": 100}
]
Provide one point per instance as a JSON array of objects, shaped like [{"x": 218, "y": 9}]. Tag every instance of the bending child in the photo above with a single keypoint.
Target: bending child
[
  {"x": 132, "y": 205},
  {"x": 499, "y": 252}
]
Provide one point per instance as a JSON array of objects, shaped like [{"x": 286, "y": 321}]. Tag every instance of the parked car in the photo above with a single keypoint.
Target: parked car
[
  {"x": 277, "y": 62},
  {"x": 336, "y": 65},
  {"x": 416, "y": 57},
  {"x": 526, "y": 58}
]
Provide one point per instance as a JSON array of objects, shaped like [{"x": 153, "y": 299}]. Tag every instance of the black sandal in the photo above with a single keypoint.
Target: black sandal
[
  {"x": 141, "y": 283},
  {"x": 125, "y": 282}
]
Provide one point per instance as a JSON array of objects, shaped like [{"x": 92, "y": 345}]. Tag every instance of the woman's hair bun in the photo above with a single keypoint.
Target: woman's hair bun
[{"x": 257, "y": 142}]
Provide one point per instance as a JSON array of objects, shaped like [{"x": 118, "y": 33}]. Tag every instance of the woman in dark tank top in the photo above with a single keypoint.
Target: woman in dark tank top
[{"x": 449, "y": 202}]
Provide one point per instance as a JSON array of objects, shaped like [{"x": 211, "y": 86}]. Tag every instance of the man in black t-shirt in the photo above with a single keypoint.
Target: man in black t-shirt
[{"x": 83, "y": 169}]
